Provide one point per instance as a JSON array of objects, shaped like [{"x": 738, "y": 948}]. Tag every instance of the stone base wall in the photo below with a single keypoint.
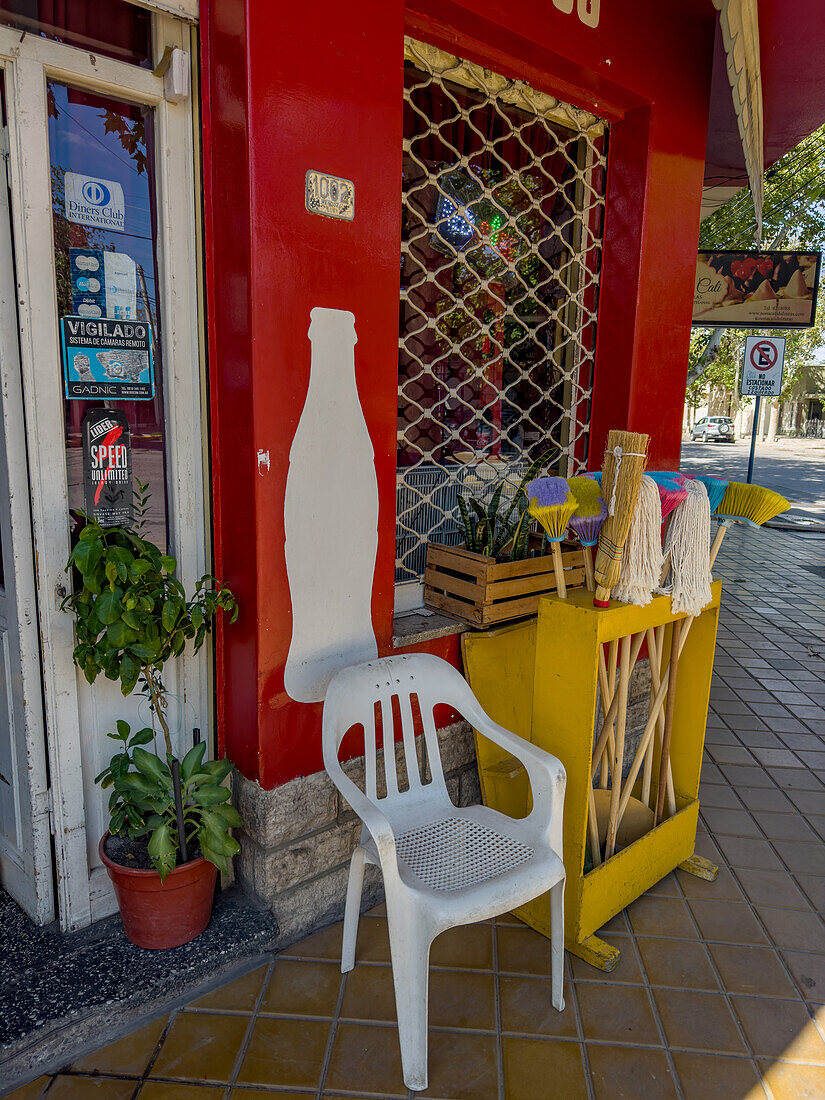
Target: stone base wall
[{"x": 297, "y": 839}]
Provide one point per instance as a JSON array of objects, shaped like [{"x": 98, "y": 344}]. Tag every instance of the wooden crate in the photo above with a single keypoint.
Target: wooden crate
[{"x": 480, "y": 591}]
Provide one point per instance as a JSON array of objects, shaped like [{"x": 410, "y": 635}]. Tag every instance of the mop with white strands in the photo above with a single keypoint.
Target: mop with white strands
[
  {"x": 643, "y": 557},
  {"x": 687, "y": 542}
]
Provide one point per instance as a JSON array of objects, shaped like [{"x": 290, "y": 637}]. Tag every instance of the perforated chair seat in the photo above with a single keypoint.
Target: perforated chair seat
[{"x": 455, "y": 853}]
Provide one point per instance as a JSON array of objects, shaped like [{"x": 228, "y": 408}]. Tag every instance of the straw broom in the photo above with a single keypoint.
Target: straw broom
[
  {"x": 624, "y": 463},
  {"x": 552, "y": 504}
]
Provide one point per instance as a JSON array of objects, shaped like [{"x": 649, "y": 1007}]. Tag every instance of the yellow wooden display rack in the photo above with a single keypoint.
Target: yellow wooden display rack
[{"x": 539, "y": 678}]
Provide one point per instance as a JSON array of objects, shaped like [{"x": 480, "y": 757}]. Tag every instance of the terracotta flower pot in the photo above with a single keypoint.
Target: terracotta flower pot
[{"x": 159, "y": 914}]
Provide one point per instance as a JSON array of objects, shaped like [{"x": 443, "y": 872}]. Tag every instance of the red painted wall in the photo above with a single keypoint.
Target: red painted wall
[{"x": 292, "y": 87}]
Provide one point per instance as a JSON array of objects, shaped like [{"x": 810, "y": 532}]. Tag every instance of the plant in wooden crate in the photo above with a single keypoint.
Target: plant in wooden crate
[
  {"x": 497, "y": 574},
  {"x": 132, "y": 616}
]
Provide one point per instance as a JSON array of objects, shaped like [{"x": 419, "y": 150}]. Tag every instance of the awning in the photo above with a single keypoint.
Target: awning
[{"x": 739, "y": 23}]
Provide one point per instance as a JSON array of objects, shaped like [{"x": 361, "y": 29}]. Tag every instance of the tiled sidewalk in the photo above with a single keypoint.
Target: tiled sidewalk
[{"x": 719, "y": 985}]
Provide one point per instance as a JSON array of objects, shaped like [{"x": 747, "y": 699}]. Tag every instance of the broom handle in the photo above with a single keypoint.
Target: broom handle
[
  {"x": 593, "y": 830},
  {"x": 605, "y": 695},
  {"x": 654, "y": 639},
  {"x": 618, "y": 754},
  {"x": 675, "y": 646},
  {"x": 614, "y": 704},
  {"x": 717, "y": 542},
  {"x": 558, "y": 569},
  {"x": 589, "y": 571}
]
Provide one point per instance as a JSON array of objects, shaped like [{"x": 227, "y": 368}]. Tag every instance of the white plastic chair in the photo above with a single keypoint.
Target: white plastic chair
[{"x": 442, "y": 866}]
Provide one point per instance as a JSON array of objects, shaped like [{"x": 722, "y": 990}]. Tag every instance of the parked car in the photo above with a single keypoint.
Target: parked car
[{"x": 710, "y": 429}]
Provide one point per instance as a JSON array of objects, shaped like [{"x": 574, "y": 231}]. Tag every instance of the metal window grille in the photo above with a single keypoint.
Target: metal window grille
[{"x": 502, "y": 214}]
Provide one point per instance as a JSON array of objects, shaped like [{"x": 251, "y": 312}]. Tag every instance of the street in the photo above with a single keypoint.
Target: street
[{"x": 793, "y": 467}]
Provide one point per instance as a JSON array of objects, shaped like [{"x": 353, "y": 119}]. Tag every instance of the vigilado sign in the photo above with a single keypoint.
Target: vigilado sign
[
  {"x": 92, "y": 201},
  {"x": 762, "y": 369}
]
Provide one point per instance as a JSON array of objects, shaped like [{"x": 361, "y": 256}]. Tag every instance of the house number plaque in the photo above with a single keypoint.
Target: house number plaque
[{"x": 330, "y": 196}]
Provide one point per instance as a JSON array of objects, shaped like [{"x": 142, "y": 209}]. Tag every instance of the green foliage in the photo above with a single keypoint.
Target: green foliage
[
  {"x": 500, "y": 532},
  {"x": 142, "y": 803},
  {"x": 132, "y": 613},
  {"x": 132, "y": 616}
]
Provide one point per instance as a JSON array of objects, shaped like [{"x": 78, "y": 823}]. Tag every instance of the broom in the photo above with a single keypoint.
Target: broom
[
  {"x": 750, "y": 504},
  {"x": 642, "y": 563},
  {"x": 672, "y": 489},
  {"x": 587, "y": 520},
  {"x": 552, "y": 504},
  {"x": 624, "y": 463}
]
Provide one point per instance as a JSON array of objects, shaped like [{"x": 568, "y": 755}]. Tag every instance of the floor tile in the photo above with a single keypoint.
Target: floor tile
[
  {"x": 463, "y": 999},
  {"x": 794, "y": 1082},
  {"x": 462, "y": 1066},
  {"x": 627, "y": 970},
  {"x": 530, "y": 1066},
  {"x": 748, "y": 852},
  {"x": 180, "y": 1090},
  {"x": 710, "y": 1077},
  {"x": 369, "y": 994},
  {"x": 85, "y": 1088},
  {"x": 201, "y": 1046},
  {"x": 809, "y": 971},
  {"x": 746, "y": 777},
  {"x": 814, "y": 887},
  {"x": 325, "y": 944},
  {"x": 809, "y": 802},
  {"x": 289, "y": 1053},
  {"x": 794, "y": 928},
  {"x": 795, "y": 779},
  {"x": 681, "y": 964},
  {"x": 129, "y": 1055},
  {"x": 779, "y": 1029},
  {"x": 626, "y": 1073},
  {"x": 727, "y": 921},
  {"x": 776, "y": 758},
  {"x": 698, "y": 1021},
  {"x": 303, "y": 987},
  {"x": 653, "y": 916},
  {"x": 616, "y": 1013},
  {"x": 784, "y": 826},
  {"x": 765, "y": 798},
  {"x": 802, "y": 858},
  {"x": 472, "y": 946},
  {"x": 237, "y": 996},
  {"x": 773, "y": 888},
  {"x": 722, "y": 822},
  {"x": 754, "y": 970},
  {"x": 715, "y": 794},
  {"x": 527, "y": 1009},
  {"x": 723, "y": 888},
  {"x": 522, "y": 951}
]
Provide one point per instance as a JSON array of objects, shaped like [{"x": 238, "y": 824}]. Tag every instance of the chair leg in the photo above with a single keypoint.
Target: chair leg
[
  {"x": 557, "y": 944},
  {"x": 352, "y": 908},
  {"x": 410, "y": 954}
]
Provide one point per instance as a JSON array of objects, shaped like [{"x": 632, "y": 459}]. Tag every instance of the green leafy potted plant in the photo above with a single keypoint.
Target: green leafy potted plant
[{"x": 132, "y": 616}]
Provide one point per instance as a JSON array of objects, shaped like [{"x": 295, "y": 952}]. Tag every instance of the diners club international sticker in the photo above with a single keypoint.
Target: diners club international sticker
[{"x": 107, "y": 467}]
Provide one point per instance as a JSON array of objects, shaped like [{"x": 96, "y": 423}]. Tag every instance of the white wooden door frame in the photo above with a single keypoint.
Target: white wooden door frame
[
  {"x": 29, "y": 62},
  {"x": 31, "y": 865}
]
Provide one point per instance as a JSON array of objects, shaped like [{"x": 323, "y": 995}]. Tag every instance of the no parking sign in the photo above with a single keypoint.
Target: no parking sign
[{"x": 762, "y": 370}]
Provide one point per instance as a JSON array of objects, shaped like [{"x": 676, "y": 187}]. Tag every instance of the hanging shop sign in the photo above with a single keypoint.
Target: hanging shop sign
[
  {"x": 93, "y": 201},
  {"x": 331, "y": 196},
  {"x": 107, "y": 359},
  {"x": 762, "y": 369},
  {"x": 756, "y": 289},
  {"x": 104, "y": 284},
  {"x": 107, "y": 467}
]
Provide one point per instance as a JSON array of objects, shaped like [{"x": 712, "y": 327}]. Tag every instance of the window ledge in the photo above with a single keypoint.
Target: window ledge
[{"x": 415, "y": 627}]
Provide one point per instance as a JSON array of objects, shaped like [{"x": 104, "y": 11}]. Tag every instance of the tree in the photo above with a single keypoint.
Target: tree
[{"x": 793, "y": 218}]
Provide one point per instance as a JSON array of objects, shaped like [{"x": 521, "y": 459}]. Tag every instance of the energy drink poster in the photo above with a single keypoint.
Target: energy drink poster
[
  {"x": 756, "y": 289},
  {"x": 107, "y": 359},
  {"x": 107, "y": 467}
]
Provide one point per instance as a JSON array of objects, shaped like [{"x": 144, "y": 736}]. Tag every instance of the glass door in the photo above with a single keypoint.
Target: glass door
[{"x": 104, "y": 217}]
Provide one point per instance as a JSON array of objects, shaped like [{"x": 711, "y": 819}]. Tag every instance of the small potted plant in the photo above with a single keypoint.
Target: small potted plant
[{"x": 171, "y": 821}]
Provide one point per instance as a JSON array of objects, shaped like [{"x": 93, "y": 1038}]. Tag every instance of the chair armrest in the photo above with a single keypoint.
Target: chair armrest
[
  {"x": 545, "y": 771},
  {"x": 379, "y": 828}
]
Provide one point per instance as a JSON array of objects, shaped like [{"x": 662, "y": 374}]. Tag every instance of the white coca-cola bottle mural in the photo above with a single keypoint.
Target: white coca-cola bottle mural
[{"x": 330, "y": 517}]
